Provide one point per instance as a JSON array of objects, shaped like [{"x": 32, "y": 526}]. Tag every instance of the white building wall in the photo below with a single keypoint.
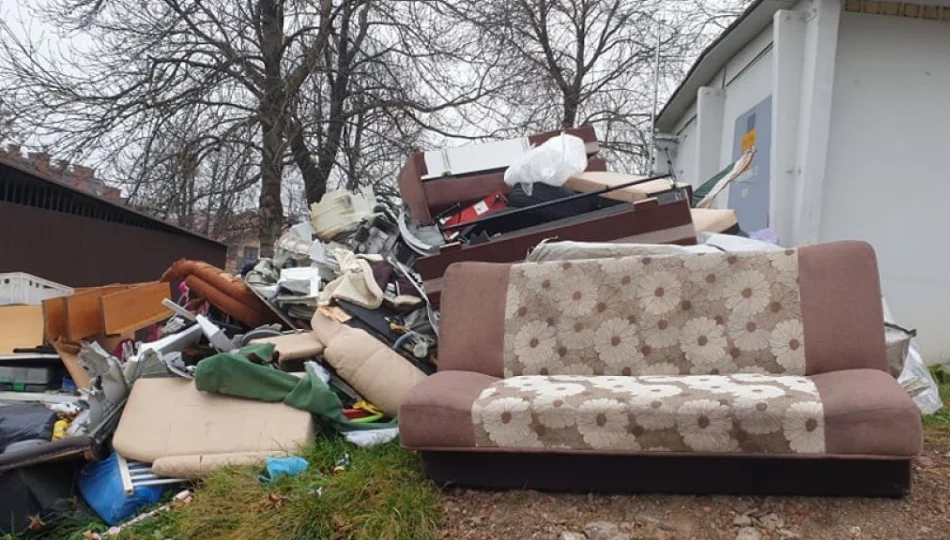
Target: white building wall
[
  {"x": 886, "y": 179},
  {"x": 750, "y": 87},
  {"x": 686, "y": 147},
  {"x": 744, "y": 82}
]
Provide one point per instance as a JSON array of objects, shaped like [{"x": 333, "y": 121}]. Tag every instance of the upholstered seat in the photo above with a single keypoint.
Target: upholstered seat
[
  {"x": 768, "y": 355},
  {"x": 853, "y": 412}
]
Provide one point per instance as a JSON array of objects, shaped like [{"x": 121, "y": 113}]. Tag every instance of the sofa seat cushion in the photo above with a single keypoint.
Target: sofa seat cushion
[{"x": 856, "y": 412}]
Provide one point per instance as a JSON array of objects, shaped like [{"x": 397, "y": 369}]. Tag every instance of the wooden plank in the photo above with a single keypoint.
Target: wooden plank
[
  {"x": 83, "y": 312},
  {"x": 54, "y": 317},
  {"x": 135, "y": 308},
  {"x": 593, "y": 180},
  {"x": 20, "y": 326}
]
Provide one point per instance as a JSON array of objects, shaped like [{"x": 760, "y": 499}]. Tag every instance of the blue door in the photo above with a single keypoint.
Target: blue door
[{"x": 749, "y": 195}]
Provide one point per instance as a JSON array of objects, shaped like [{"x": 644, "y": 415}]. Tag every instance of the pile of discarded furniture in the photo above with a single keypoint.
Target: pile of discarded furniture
[{"x": 577, "y": 317}]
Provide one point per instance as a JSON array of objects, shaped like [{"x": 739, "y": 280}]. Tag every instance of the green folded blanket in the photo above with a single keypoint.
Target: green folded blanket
[{"x": 233, "y": 374}]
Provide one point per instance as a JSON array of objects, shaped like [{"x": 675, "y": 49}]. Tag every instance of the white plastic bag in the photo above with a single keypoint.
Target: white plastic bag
[
  {"x": 914, "y": 377},
  {"x": 551, "y": 163},
  {"x": 375, "y": 437},
  {"x": 919, "y": 383}
]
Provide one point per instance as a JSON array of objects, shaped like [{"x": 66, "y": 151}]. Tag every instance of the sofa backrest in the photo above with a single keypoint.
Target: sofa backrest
[{"x": 799, "y": 312}]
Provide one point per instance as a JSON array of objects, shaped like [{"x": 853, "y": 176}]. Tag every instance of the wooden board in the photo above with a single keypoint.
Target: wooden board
[
  {"x": 586, "y": 182},
  {"x": 20, "y": 326},
  {"x": 135, "y": 308},
  {"x": 54, "y": 317},
  {"x": 83, "y": 312}
]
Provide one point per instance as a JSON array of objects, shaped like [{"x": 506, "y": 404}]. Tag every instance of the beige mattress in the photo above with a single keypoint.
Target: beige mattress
[{"x": 167, "y": 419}]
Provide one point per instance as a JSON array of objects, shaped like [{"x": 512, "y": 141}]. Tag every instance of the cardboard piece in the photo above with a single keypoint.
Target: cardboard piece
[
  {"x": 298, "y": 346},
  {"x": 20, "y": 326},
  {"x": 69, "y": 355}
]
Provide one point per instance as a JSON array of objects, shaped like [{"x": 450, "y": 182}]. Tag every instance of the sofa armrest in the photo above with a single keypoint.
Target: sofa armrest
[{"x": 472, "y": 329}]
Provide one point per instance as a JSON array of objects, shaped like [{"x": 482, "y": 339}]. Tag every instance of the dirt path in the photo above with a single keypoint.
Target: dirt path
[{"x": 924, "y": 515}]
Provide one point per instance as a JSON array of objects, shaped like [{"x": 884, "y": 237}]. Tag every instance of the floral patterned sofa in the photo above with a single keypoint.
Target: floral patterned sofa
[{"x": 734, "y": 373}]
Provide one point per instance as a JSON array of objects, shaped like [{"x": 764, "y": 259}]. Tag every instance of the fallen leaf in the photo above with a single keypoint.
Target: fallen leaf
[{"x": 36, "y": 523}]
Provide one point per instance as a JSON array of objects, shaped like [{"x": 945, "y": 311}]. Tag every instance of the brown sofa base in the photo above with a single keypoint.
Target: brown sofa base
[{"x": 670, "y": 474}]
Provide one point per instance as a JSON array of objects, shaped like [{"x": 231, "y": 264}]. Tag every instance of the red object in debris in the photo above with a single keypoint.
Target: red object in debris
[
  {"x": 354, "y": 414},
  {"x": 492, "y": 203}
]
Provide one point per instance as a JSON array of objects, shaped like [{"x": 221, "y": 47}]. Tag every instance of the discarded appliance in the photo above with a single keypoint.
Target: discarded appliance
[
  {"x": 432, "y": 182},
  {"x": 341, "y": 211}
]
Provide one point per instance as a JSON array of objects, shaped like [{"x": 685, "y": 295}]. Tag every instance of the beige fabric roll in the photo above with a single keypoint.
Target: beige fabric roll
[{"x": 294, "y": 346}]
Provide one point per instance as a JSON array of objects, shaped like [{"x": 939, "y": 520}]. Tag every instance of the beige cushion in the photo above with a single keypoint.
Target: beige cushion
[
  {"x": 859, "y": 412},
  {"x": 377, "y": 372},
  {"x": 168, "y": 417}
]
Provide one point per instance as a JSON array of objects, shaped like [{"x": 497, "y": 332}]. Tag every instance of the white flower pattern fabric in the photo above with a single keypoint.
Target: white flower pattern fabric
[
  {"x": 804, "y": 427},
  {"x": 788, "y": 345},
  {"x": 771, "y": 414},
  {"x": 747, "y": 293},
  {"x": 710, "y": 313}
]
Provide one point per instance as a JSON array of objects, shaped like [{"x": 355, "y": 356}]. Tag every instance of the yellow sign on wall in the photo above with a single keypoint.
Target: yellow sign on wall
[{"x": 748, "y": 140}]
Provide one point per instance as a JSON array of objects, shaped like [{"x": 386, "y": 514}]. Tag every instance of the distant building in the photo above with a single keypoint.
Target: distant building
[
  {"x": 61, "y": 223},
  {"x": 240, "y": 234},
  {"x": 77, "y": 176},
  {"x": 845, "y": 102}
]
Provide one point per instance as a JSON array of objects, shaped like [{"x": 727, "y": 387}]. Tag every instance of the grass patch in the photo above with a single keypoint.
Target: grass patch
[
  {"x": 382, "y": 494},
  {"x": 937, "y": 425}
]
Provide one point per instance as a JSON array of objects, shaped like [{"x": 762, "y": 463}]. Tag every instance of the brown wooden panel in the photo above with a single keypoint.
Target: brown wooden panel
[
  {"x": 84, "y": 313},
  {"x": 80, "y": 251},
  {"x": 410, "y": 187},
  {"x": 135, "y": 308},
  {"x": 20, "y": 327},
  {"x": 54, "y": 317},
  {"x": 428, "y": 198}
]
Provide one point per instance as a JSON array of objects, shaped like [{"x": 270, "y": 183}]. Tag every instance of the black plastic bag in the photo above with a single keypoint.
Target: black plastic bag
[{"x": 24, "y": 422}]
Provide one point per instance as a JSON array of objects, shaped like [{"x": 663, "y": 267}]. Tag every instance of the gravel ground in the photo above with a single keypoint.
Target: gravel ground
[{"x": 470, "y": 514}]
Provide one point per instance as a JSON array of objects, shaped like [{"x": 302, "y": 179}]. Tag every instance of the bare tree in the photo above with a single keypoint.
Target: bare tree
[
  {"x": 8, "y": 130},
  {"x": 574, "y": 62},
  {"x": 168, "y": 83}
]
